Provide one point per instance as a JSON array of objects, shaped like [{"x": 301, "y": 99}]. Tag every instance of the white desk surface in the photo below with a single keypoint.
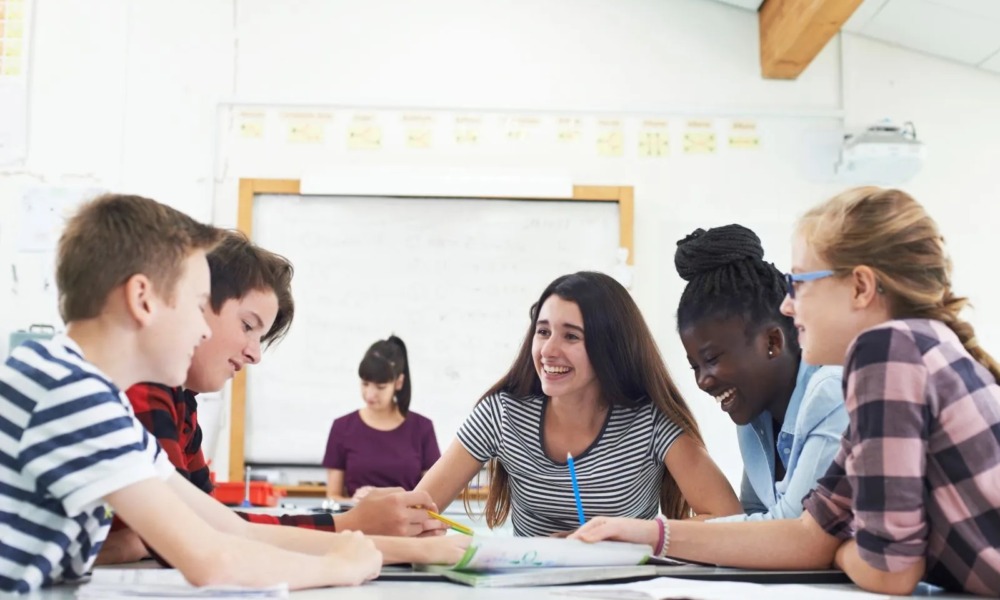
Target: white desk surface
[{"x": 438, "y": 590}]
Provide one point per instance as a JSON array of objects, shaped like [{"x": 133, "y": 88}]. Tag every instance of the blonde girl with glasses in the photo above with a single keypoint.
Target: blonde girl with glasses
[{"x": 914, "y": 492}]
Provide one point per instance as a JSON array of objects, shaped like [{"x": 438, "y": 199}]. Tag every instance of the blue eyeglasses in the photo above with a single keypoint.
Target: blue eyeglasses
[{"x": 792, "y": 278}]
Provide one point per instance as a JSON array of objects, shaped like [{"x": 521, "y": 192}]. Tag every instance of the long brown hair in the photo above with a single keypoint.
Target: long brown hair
[
  {"x": 891, "y": 233},
  {"x": 626, "y": 361}
]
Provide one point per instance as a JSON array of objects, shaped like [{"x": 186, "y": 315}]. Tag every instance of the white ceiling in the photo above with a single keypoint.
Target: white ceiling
[{"x": 967, "y": 31}]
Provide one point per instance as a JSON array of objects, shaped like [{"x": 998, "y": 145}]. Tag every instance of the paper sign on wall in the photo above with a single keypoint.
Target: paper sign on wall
[
  {"x": 468, "y": 129},
  {"x": 306, "y": 127},
  {"x": 364, "y": 133},
  {"x": 654, "y": 138},
  {"x": 743, "y": 135},
  {"x": 250, "y": 124},
  {"x": 569, "y": 130},
  {"x": 699, "y": 137},
  {"x": 521, "y": 129},
  {"x": 610, "y": 138},
  {"x": 419, "y": 130}
]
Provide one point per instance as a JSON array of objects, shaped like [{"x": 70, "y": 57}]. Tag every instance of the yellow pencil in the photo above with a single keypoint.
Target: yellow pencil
[{"x": 456, "y": 526}]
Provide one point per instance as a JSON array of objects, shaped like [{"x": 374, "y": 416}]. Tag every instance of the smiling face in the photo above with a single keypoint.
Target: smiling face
[
  {"x": 559, "y": 351},
  {"x": 236, "y": 333},
  {"x": 822, "y": 309},
  {"x": 731, "y": 366}
]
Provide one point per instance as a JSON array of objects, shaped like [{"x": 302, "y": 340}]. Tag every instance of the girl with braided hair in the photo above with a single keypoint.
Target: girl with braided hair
[
  {"x": 745, "y": 354},
  {"x": 914, "y": 491}
]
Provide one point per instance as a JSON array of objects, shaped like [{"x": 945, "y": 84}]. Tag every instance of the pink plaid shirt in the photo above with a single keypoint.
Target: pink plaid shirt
[{"x": 918, "y": 472}]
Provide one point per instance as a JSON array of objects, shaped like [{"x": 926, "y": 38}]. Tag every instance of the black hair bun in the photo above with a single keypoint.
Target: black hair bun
[{"x": 703, "y": 251}]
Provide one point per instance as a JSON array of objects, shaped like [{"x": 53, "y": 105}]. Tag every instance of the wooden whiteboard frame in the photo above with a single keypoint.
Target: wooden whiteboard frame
[{"x": 250, "y": 188}]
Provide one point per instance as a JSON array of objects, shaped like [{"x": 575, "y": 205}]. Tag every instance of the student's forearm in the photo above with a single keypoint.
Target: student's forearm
[
  {"x": 394, "y": 550},
  {"x": 227, "y": 549},
  {"x": 399, "y": 550},
  {"x": 900, "y": 583},
  {"x": 299, "y": 539},
  {"x": 239, "y": 561},
  {"x": 790, "y": 544}
]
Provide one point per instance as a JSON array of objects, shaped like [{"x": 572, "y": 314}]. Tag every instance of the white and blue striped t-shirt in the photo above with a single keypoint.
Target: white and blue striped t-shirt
[
  {"x": 619, "y": 474},
  {"x": 68, "y": 438}
]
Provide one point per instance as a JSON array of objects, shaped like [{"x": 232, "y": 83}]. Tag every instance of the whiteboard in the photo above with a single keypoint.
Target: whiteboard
[{"x": 454, "y": 278}]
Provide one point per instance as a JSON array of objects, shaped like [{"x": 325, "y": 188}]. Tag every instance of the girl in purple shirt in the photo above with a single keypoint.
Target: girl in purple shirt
[{"x": 383, "y": 444}]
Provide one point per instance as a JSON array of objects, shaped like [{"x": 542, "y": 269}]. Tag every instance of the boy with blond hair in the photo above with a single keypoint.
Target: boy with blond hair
[{"x": 133, "y": 289}]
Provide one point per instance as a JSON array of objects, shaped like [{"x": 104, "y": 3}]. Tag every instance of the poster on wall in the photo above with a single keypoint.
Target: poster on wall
[{"x": 14, "y": 30}]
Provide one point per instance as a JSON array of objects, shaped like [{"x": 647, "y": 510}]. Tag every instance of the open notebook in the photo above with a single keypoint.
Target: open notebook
[{"x": 527, "y": 561}]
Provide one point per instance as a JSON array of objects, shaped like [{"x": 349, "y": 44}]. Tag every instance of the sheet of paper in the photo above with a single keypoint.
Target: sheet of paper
[
  {"x": 164, "y": 583},
  {"x": 668, "y": 588},
  {"x": 487, "y": 553}
]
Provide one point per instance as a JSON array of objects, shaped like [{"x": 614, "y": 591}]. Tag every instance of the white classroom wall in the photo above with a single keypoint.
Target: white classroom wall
[{"x": 134, "y": 96}]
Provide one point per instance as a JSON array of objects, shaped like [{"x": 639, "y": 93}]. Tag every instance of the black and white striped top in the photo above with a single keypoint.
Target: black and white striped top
[
  {"x": 68, "y": 438},
  {"x": 619, "y": 474}
]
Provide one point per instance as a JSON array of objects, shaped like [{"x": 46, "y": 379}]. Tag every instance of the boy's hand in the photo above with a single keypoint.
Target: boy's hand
[
  {"x": 443, "y": 550},
  {"x": 396, "y": 513},
  {"x": 361, "y": 492},
  {"x": 356, "y": 558},
  {"x": 639, "y": 531}
]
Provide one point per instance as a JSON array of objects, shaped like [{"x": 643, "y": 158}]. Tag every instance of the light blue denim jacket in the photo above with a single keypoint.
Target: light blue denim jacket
[{"x": 807, "y": 443}]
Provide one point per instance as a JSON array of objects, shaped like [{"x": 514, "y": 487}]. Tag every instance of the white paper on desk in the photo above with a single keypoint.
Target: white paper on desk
[
  {"x": 164, "y": 583},
  {"x": 668, "y": 588},
  {"x": 488, "y": 553}
]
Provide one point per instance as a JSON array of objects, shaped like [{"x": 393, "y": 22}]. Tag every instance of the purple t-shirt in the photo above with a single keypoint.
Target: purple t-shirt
[{"x": 378, "y": 458}]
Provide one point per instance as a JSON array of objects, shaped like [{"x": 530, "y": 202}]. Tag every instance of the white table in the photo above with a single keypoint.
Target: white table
[{"x": 438, "y": 590}]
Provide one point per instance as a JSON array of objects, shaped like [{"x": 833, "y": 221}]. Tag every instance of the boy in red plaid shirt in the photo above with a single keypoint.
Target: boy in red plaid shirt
[{"x": 252, "y": 307}]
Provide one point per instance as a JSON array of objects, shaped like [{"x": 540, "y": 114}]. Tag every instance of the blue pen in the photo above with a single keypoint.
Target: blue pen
[
  {"x": 246, "y": 488},
  {"x": 576, "y": 488}
]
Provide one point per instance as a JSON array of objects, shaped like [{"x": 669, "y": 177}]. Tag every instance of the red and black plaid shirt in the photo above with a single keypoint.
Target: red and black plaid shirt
[{"x": 171, "y": 415}]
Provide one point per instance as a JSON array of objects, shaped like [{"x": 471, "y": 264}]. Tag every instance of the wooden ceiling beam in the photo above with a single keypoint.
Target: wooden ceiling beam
[{"x": 792, "y": 33}]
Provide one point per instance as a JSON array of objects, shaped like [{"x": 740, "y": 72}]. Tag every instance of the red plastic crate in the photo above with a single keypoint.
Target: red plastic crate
[{"x": 262, "y": 493}]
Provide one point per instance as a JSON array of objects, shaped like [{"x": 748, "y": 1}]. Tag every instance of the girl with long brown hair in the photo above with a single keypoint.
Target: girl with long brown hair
[{"x": 588, "y": 382}]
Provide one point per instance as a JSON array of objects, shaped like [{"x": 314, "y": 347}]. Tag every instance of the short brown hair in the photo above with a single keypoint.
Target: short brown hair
[
  {"x": 114, "y": 237},
  {"x": 239, "y": 266}
]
